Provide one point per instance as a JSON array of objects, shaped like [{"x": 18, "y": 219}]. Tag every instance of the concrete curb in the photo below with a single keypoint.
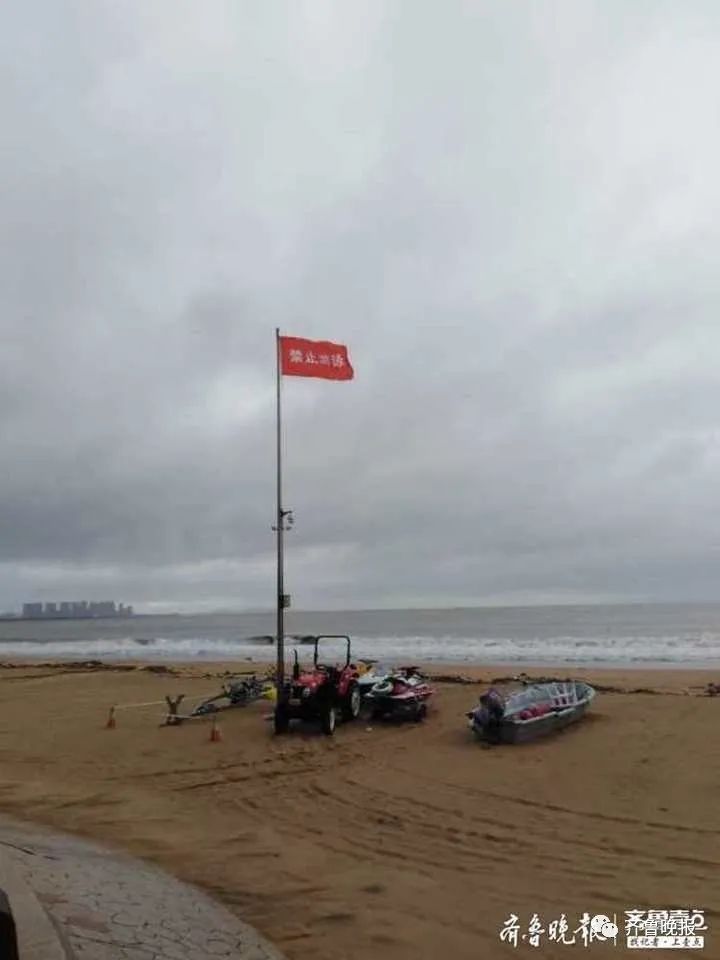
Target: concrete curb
[{"x": 38, "y": 939}]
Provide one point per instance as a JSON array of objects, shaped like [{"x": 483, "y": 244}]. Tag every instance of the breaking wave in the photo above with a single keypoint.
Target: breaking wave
[{"x": 700, "y": 650}]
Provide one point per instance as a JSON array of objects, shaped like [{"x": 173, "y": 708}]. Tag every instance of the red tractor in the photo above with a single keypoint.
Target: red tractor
[{"x": 319, "y": 693}]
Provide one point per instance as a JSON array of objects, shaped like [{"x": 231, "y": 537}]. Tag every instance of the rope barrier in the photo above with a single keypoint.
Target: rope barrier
[
  {"x": 131, "y": 706},
  {"x": 172, "y": 717},
  {"x": 155, "y": 703}
]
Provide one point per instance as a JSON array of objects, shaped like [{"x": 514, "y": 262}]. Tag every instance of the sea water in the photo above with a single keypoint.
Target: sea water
[{"x": 662, "y": 635}]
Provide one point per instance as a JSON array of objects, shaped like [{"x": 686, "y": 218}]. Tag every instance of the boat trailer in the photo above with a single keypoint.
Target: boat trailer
[{"x": 236, "y": 693}]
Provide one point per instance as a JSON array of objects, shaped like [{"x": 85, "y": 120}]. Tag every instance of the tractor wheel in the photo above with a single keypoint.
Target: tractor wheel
[
  {"x": 420, "y": 713},
  {"x": 351, "y": 704},
  {"x": 281, "y": 719},
  {"x": 327, "y": 720}
]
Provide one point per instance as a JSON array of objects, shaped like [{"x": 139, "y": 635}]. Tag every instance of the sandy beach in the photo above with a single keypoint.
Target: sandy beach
[{"x": 385, "y": 842}]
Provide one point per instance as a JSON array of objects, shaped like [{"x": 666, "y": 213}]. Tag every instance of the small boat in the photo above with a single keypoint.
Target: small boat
[
  {"x": 529, "y": 712},
  {"x": 403, "y": 693}
]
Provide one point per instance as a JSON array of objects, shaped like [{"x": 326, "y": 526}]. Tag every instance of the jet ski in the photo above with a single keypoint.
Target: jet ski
[
  {"x": 372, "y": 672},
  {"x": 403, "y": 693}
]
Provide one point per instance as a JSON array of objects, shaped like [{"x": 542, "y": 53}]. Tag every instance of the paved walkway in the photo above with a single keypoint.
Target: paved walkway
[{"x": 112, "y": 907}]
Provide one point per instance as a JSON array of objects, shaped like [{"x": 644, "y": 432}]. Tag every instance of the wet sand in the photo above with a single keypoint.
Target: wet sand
[{"x": 385, "y": 842}]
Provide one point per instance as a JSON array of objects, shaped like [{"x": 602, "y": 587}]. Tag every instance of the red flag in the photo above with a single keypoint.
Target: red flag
[{"x": 314, "y": 358}]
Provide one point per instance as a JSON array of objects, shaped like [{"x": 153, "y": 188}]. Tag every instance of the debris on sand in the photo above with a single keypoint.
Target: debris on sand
[{"x": 452, "y": 678}]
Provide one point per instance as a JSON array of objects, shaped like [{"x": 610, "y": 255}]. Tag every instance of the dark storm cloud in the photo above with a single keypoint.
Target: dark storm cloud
[{"x": 508, "y": 213}]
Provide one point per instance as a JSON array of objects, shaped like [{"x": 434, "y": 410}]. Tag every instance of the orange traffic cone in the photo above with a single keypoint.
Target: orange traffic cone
[
  {"x": 110, "y": 725},
  {"x": 215, "y": 735}
]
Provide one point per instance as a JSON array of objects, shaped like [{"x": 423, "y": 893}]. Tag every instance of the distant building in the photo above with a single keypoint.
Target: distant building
[
  {"x": 103, "y": 608},
  {"x": 76, "y": 610}
]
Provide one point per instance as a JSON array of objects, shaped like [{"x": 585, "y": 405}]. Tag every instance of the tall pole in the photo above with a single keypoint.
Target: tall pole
[{"x": 280, "y": 673}]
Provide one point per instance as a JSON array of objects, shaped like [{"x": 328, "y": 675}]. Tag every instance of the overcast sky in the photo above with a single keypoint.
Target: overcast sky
[{"x": 508, "y": 211}]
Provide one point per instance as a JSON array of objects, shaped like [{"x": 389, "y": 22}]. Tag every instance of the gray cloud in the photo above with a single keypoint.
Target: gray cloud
[{"x": 508, "y": 213}]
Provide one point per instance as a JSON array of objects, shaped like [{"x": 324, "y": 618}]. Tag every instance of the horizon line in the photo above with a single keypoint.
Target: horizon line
[{"x": 463, "y": 606}]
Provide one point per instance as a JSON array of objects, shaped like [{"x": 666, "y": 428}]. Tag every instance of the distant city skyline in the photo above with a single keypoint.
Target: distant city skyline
[{"x": 75, "y": 609}]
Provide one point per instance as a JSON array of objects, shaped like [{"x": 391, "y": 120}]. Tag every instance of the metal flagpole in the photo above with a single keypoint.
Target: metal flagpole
[{"x": 280, "y": 674}]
